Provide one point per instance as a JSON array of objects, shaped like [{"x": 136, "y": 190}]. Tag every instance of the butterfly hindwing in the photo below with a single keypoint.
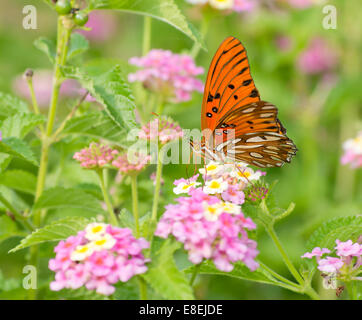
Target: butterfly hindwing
[
  {"x": 229, "y": 84},
  {"x": 259, "y": 138}
]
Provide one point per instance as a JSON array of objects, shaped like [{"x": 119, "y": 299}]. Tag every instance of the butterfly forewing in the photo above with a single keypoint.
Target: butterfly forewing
[
  {"x": 231, "y": 104},
  {"x": 229, "y": 83}
]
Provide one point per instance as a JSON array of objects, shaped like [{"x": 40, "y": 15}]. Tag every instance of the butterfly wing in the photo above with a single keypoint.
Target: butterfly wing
[
  {"x": 259, "y": 138},
  {"x": 228, "y": 85}
]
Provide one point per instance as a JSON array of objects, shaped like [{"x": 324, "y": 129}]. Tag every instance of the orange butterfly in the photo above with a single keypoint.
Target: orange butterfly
[{"x": 231, "y": 104}]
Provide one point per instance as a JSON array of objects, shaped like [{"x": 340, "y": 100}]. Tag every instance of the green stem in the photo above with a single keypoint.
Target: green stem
[
  {"x": 157, "y": 187},
  {"x": 146, "y": 45},
  {"x": 195, "y": 50},
  {"x": 284, "y": 255},
  {"x": 279, "y": 277},
  {"x": 17, "y": 214},
  {"x": 156, "y": 197},
  {"x": 135, "y": 203},
  {"x": 112, "y": 217},
  {"x": 195, "y": 273},
  {"x": 143, "y": 288},
  {"x": 62, "y": 49},
  {"x": 352, "y": 289},
  {"x": 29, "y": 80}
]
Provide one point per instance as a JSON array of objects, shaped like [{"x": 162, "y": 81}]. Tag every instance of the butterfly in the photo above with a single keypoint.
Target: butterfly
[{"x": 232, "y": 107}]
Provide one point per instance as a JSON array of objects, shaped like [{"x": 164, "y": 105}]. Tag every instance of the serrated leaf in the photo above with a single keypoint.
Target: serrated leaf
[
  {"x": 19, "y": 180},
  {"x": 55, "y": 231},
  {"x": 60, "y": 197},
  {"x": 10, "y": 105},
  {"x": 20, "y": 125},
  {"x": 78, "y": 45},
  {"x": 164, "y": 10},
  {"x": 17, "y": 148},
  {"x": 164, "y": 277},
  {"x": 47, "y": 46},
  {"x": 96, "y": 125},
  {"x": 112, "y": 91},
  {"x": 343, "y": 228},
  {"x": 240, "y": 271}
]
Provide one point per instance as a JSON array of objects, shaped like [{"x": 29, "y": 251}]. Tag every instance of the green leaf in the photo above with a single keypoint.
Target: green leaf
[
  {"x": 20, "y": 125},
  {"x": 17, "y": 148},
  {"x": 8, "y": 228},
  {"x": 19, "y": 180},
  {"x": 78, "y": 45},
  {"x": 47, "y": 46},
  {"x": 343, "y": 228},
  {"x": 112, "y": 91},
  {"x": 55, "y": 231},
  {"x": 164, "y": 10},
  {"x": 60, "y": 197},
  {"x": 240, "y": 271},
  {"x": 96, "y": 125},
  {"x": 10, "y": 105},
  {"x": 164, "y": 277}
]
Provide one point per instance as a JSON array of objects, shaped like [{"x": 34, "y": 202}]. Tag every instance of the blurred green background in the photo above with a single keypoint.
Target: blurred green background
[{"x": 320, "y": 111}]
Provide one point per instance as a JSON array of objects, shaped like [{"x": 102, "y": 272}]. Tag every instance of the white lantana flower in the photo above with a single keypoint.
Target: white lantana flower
[
  {"x": 211, "y": 169},
  {"x": 222, "y": 4},
  {"x": 231, "y": 208},
  {"x": 105, "y": 242},
  {"x": 95, "y": 230},
  {"x": 81, "y": 252},
  {"x": 184, "y": 187},
  {"x": 245, "y": 174},
  {"x": 212, "y": 212},
  {"x": 197, "y": 1},
  {"x": 215, "y": 186}
]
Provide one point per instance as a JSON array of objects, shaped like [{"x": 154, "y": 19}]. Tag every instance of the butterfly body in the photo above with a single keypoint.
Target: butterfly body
[{"x": 236, "y": 124}]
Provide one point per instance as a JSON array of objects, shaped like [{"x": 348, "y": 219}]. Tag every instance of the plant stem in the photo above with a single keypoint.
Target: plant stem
[
  {"x": 33, "y": 97},
  {"x": 62, "y": 49},
  {"x": 352, "y": 289},
  {"x": 135, "y": 203},
  {"x": 112, "y": 217},
  {"x": 143, "y": 288},
  {"x": 280, "y": 277},
  {"x": 17, "y": 214},
  {"x": 284, "y": 255},
  {"x": 194, "y": 273},
  {"x": 203, "y": 30},
  {"x": 156, "y": 195},
  {"x": 146, "y": 45}
]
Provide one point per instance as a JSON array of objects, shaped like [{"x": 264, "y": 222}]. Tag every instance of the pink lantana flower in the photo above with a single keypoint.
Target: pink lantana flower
[
  {"x": 210, "y": 229},
  {"x": 131, "y": 163},
  {"x": 330, "y": 264},
  {"x": 102, "y": 25},
  {"x": 161, "y": 129},
  {"x": 316, "y": 252},
  {"x": 317, "y": 58},
  {"x": 95, "y": 156},
  {"x": 97, "y": 258},
  {"x": 172, "y": 75},
  {"x": 353, "y": 152}
]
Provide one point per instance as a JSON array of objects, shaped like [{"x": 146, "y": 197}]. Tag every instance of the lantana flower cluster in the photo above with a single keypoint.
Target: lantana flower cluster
[
  {"x": 209, "y": 221},
  {"x": 97, "y": 258},
  {"x": 234, "y": 5},
  {"x": 161, "y": 129},
  {"x": 96, "y": 155},
  {"x": 131, "y": 163},
  {"x": 353, "y": 152},
  {"x": 225, "y": 180},
  {"x": 170, "y": 74},
  {"x": 346, "y": 261}
]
